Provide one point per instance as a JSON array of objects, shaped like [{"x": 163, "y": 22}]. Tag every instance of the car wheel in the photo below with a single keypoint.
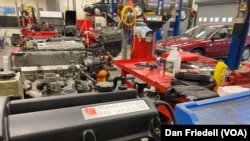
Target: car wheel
[
  {"x": 14, "y": 40},
  {"x": 139, "y": 9},
  {"x": 246, "y": 54},
  {"x": 184, "y": 14},
  {"x": 150, "y": 34},
  {"x": 198, "y": 51},
  {"x": 97, "y": 11}
]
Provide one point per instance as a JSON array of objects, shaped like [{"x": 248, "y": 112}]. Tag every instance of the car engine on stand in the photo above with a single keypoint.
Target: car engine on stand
[
  {"x": 108, "y": 38},
  {"x": 41, "y": 81},
  {"x": 56, "y": 43},
  {"x": 58, "y": 66},
  {"x": 111, "y": 37}
]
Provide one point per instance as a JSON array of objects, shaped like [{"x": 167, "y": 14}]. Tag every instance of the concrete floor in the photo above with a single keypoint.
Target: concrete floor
[{"x": 5, "y": 52}]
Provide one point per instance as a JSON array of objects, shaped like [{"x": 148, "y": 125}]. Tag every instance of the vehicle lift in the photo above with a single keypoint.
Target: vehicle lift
[
  {"x": 176, "y": 30},
  {"x": 240, "y": 31},
  {"x": 238, "y": 73},
  {"x": 112, "y": 5}
]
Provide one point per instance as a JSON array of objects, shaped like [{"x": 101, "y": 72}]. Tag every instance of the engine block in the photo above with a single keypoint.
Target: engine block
[
  {"x": 52, "y": 80},
  {"x": 110, "y": 34},
  {"x": 111, "y": 37}
]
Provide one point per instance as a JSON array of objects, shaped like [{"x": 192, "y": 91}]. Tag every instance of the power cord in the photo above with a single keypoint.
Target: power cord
[{"x": 170, "y": 109}]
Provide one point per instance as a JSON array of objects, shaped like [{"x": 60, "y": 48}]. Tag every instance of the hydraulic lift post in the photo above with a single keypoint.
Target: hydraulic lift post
[
  {"x": 160, "y": 8},
  {"x": 176, "y": 29},
  {"x": 112, "y": 5},
  {"x": 240, "y": 31}
]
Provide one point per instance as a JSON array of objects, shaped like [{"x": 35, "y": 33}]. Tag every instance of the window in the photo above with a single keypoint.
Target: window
[
  {"x": 223, "y": 32},
  {"x": 201, "y": 32}
]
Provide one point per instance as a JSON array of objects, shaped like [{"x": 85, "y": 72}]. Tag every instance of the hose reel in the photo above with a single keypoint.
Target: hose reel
[{"x": 128, "y": 16}]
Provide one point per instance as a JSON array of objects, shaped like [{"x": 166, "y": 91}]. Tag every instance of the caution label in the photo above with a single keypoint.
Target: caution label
[{"x": 114, "y": 109}]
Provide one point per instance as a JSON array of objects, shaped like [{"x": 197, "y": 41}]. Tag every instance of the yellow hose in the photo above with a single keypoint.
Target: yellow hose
[{"x": 124, "y": 17}]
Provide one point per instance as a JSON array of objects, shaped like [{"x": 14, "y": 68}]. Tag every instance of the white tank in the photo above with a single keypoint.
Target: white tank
[{"x": 173, "y": 62}]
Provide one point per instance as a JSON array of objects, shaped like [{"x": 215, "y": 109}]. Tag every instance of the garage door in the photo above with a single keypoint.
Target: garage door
[{"x": 223, "y": 13}]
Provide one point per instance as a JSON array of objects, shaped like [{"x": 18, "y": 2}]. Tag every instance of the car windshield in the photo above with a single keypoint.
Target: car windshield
[{"x": 201, "y": 32}]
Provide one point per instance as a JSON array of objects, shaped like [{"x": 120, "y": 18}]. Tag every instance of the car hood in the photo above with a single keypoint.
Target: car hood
[{"x": 178, "y": 41}]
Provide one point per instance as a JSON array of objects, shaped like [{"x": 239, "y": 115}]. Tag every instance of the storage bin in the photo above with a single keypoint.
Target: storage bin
[{"x": 231, "y": 109}]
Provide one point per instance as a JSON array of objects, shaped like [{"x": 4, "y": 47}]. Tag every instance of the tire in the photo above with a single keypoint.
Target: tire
[
  {"x": 184, "y": 14},
  {"x": 14, "y": 40},
  {"x": 246, "y": 54},
  {"x": 198, "y": 51},
  {"x": 97, "y": 11},
  {"x": 150, "y": 34},
  {"x": 139, "y": 9}
]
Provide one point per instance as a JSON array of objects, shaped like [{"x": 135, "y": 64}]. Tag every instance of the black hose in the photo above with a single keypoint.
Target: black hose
[
  {"x": 117, "y": 78},
  {"x": 89, "y": 77},
  {"x": 170, "y": 109}
]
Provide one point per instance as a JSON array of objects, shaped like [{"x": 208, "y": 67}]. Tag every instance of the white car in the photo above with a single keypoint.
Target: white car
[{"x": 142, "y": 29}]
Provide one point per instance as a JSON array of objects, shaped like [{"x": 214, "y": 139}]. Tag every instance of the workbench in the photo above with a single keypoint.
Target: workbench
[{"x": 156, "y": 77}]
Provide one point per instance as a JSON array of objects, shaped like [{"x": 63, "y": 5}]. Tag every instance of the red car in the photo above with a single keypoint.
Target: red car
[{"x": 211, "y": 40}]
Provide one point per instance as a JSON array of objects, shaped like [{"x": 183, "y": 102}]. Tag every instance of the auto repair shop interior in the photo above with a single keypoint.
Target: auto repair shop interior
[{"x": 102, "y": 70}]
